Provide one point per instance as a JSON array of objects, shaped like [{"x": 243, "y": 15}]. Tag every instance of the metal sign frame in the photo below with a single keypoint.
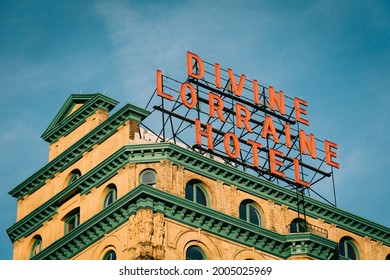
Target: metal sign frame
[{"x": 214, "y": 103}]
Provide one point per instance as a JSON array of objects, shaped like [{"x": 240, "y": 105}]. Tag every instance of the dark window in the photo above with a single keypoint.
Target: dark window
[
  {"x": 298, "y": 225},
  {"x": 195, "y": 253},
  {"x": 388, "y": 257},
  {"x": 195, "y": 192},
  {"x": 36, "y": 247},
  {"x": 110, "y": 196},
  {"x": 248, "y": 212},
  {"x": 72, "y": 221},
  {"x": 347, "y": 249},
  {"x": 75, "y": 174},
  {"x": 110, "y": 255},
  {"x": 149, "y": 177}
]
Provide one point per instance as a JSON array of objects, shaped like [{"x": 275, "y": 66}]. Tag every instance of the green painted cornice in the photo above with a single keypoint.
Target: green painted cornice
[
  {"x": 94, "y": 178},
  {"x": 311, "y": 245},
  {"x": 186, "y": 212},
  {"x": 270, "y": 191},
  {"x": 31, "y": 223},
  {"x": 45, "y": 212},
  {"x": 75, "y": 152},
  {"x": 63, "y": 123},
  {"x": 209, "y": 168}
]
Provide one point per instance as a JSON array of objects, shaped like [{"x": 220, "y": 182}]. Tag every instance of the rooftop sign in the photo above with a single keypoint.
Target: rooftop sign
[{"x": 250, "y": 126}]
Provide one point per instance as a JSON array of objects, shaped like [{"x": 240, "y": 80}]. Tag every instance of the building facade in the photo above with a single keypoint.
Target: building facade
[{"x": 110, "y": 191}]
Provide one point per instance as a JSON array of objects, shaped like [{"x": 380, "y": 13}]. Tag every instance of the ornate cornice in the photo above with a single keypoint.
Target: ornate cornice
[
  {"x": 75, "y": 152},
  {"x": 63, "y": 123},
  {"x": 270, "y": 191},
  {"x": 94, "y": 178},
  {"x": 32, "y": 222},
  {"x": 209, "y": 168},
  {"x": 189, "y": 213},
  {"x": 311, "y": 245}
]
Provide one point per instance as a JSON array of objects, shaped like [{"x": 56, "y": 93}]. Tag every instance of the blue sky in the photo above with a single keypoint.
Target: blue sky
[{"x": 334, "y": 54}]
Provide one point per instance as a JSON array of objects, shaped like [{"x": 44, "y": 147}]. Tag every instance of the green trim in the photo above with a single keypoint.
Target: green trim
[
  {"x": 204, "y": 166},
  {"x": 95, "y": 177},
  {"x": 31, "y": 222},
  {"x": 186, "y": 212},
  {"x": 312, "y": 245},
  {"x": 63, "y": 123},
  {"x": 75, "y": 152}
]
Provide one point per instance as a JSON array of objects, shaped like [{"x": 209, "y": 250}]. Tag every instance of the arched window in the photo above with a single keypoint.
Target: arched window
[
  {"x": 249, "y": 212},
  {"x": 36, "y": 246},
  {"x": 195, "y": 253},
  {"x": 298, "y": 225},
  {"x": 149, "y": 177},
  {"x": 110, "y": 196},
  {"x": 73, "y": 176},
  {"x": 347, "y": 249},
  {"x": 72, "y": 220},
  {"x": 388, "y": 257},
  {"x": 196, "y": 193},
  {"x": 110, "y": 255}
]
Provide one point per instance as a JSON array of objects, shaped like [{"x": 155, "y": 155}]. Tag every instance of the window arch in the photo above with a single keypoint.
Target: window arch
[
  {"x": 111, "y": 195},
  {"x": 347, "y": 249},
  {"x": 298, "y": 225},
  {"x": 148, "y": 177},
  {"x": 388, "y": 257},
  {"x": 36, "y": 246},
  {"x": 248, "y": 212},
  {"x": 110, "y": 255},
  {"x": 71, "y": 220},
  {"x": 195, "y": 253},
  {"x": 196, "y": 192},
  {"x": 73, "y": 176}
]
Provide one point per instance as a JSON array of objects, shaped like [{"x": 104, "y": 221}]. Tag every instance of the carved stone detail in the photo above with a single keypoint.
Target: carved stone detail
[{"x": 146, "y": 235}]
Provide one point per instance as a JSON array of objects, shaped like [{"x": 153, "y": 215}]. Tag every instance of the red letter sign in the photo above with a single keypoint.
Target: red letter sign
[{"x": 199, "y": 63}]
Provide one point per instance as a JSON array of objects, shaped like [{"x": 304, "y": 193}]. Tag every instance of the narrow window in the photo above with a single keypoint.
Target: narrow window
[
  {"x": 110, "y": 196},
  {"x": 36, "y": 246}
]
